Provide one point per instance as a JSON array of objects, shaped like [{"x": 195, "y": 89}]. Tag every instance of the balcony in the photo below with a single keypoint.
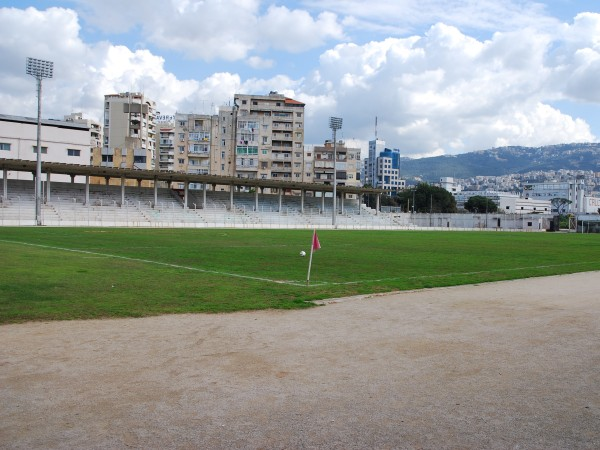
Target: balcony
[{"x": 198, "y": 154}]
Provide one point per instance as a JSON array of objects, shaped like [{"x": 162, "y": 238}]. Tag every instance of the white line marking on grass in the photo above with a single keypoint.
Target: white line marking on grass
[
  {"x": 420, "y": 277},
  {"x": 148, "y": 261}
]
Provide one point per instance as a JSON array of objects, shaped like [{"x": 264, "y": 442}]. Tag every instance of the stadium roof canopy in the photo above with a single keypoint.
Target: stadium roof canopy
[{"x": 171, "y": 177}]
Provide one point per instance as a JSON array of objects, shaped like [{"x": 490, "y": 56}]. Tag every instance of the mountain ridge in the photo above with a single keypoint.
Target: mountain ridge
[{"x": 503, "y": 161}]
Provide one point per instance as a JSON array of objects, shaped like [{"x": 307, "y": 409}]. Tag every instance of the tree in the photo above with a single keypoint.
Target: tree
[
  {"x": 560, "y": 204},
  {"x": 481, "y": 204},
  {"x": 425, "y": 198}
]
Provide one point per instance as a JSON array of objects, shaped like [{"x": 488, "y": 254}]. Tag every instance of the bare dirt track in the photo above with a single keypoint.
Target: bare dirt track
[{"x": 501, "y": 365}]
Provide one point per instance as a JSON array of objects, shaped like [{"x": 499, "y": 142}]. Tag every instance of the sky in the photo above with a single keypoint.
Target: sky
[{"x": 438, "y": 77}]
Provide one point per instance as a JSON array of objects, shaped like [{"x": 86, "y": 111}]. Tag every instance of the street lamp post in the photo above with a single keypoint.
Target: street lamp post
[
  {"x": 39, "y": 69},
  {"x": 335, "y": 123}
]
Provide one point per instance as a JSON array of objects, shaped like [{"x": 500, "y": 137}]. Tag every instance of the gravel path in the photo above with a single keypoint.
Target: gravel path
[{"x": 501, "y": 365}]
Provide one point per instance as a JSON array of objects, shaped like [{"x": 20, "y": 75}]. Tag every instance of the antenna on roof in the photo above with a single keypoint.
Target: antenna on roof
[{"x": 375, "y": 127}]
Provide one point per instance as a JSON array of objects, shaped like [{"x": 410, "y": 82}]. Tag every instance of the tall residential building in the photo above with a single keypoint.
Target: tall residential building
[
  {"x": 376, "y": 146},
  {"x": 269, "y": 137},
  {"x": 347, "y": 165},
  {"x": 129, "y": 131},
  {"x": 165, "y": 126},
  {"x": 95, "y": 129}
]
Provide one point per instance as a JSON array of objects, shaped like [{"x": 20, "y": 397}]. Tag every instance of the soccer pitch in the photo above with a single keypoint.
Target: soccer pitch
[{"x": 82, "y": 273}]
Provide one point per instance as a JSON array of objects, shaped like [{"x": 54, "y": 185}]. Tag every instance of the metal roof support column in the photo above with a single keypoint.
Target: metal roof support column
[
  {"x": 342, "y": 201},
  {"x": 204, "y": 196},
  {"x": 280, "y": 199},
  {"x": 360, "y": 197},
  {"x": 256, "y": 200},
  {"x": 122, "y": 191},
  {"x": 323, "y": 202},
  {"x": 231, "y": 189},
  {"x": 186, "y": 188},
  {"x": 47, "y": 187},
  {"x": 87, "y": 190},
  {"x": 72, "y": 179},
  {"x": 155, "y": 192},
  {"x": 302, "y": 192},
  {"x": 5, "y": 181},
  {"x": 378, "y": 201}
]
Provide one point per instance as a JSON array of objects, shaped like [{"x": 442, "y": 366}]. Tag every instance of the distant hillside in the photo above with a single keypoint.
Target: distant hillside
[{"x": 504, "y": 160}]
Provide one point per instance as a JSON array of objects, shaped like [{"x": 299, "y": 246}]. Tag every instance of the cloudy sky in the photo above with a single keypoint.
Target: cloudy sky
[{"x": 441, "y": 76}]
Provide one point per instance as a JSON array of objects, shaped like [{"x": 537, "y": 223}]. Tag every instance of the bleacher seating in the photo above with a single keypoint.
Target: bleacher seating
[{"x": 67, "y": 206}]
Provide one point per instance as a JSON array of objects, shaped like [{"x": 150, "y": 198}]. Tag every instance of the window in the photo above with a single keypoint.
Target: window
[
  {"x": 181, "y": 148},
  {"x": 246, "y": 150},
  {"x": 181, "y": 161},
  {"x": 73, "y": 152},
  {"x": 44, "y": 149},
  {"x": 265, "y": 152},
  {"x": 139, "y": 159},
  {"x": 298, "y": 114},
  {"x": 222, "y": 142},
  {"x": 222, "y": 155},
  {"x": 182, "y": 123},
  {"x": 107, "y": 158},
  {"x": 4, "y": 146},
  {"x": 181, "y": 136}
]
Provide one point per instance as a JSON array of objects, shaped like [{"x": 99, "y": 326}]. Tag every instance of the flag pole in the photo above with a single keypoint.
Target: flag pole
[
  {"x": 309, "y": 263},
  {"x": 314, "y": 244}
]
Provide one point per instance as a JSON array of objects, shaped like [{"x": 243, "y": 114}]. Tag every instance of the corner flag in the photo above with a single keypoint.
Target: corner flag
[{"x": 316, "y": 245}]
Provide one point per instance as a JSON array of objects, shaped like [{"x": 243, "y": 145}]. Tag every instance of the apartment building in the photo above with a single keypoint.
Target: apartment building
[
  {"x": 269, "y": 137},
  {"x": 94, "y": 127},
  {"x": 165, "y": 128},
  {"x": 347, "y": 164},
  {"x": 129, "y": 132}
]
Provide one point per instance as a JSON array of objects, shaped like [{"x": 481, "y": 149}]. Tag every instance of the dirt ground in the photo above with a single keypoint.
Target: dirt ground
[{"x": 503, "y": 365}]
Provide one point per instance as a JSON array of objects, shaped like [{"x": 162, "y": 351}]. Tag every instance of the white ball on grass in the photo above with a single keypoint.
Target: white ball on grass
[{"x": 302, "y": 253}]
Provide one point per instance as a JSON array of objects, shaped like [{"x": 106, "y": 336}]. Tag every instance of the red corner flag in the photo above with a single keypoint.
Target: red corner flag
[{"x": 316, "y": 244}]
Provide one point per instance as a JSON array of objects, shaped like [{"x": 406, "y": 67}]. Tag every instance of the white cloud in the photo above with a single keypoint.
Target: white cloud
[
  {"x": 296, "y": 30},
  {"x": 229, "y": 30},
  {"x": 256, "y": 62},
  {"x": 438, "y": 91}
]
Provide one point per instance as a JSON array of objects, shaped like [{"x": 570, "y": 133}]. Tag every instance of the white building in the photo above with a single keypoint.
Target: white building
[
  {"x": 450, "y": 185},
  {"x": 520, "y": 205},
  {"x": 61, "y": 141},
  {"x": 573, "y": 191},
  {"x": 94, "y": 126}
]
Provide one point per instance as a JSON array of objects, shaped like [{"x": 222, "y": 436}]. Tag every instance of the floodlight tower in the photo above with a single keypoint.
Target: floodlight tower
[
  {"x": 39, "y": 69},
  {"x": 335, "y": 123}
]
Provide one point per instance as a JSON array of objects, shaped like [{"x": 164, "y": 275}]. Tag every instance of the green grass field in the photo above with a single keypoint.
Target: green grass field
[{"x": 69, "y": 273}]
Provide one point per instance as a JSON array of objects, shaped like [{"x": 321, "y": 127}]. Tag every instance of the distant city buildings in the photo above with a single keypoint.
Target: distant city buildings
[
  {"x": 262, "y": 137},
  {"x": 382, "y": 167}
]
